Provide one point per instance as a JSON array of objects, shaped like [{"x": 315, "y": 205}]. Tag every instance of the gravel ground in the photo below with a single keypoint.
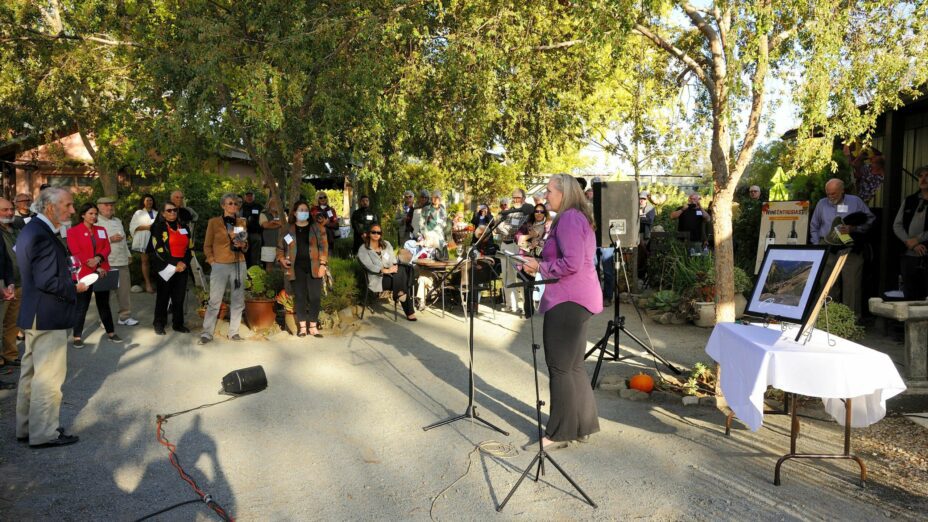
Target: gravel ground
[{"x": 337, "y": 435}]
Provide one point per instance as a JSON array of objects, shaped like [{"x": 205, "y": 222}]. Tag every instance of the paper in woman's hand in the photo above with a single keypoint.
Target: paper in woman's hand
[{"x": 168, "y": 272}]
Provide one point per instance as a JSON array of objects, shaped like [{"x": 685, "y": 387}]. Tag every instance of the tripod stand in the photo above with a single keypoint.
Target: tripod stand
[
  {"x": 542, "y": 455},
  {"x": 616, "y": 325},
  {"x": 470, "y": 412}
]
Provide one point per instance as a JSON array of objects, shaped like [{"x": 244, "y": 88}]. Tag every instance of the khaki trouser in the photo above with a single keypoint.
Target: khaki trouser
[
  {"x": 9, "y": 310},
  {"x": 847, "y": 289},
  {"x": 122, "y": 293},
  {"x": 38, "y": 400},
  {"x": 510, "y": 295}
]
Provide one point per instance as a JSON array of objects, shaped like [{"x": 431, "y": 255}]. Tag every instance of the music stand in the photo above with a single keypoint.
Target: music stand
[
  {"x": 470, "y": 411},
  {"x": 616, "y": 325},
  {"x": 541, "y": 455}
]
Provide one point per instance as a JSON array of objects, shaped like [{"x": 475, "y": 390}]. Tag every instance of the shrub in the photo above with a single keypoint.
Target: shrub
[
  {"x": 664, "y": 301},
  {"x": 344, "y": 291},
  {"x": 256, "y": 284},
  {"x": 840, "y": 322}
]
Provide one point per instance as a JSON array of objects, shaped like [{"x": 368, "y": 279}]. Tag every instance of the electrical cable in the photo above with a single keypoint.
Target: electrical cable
[
  {"x": 175, "y": 462},
  {"x": 621, "y": 265},
  {"x": 500, "y": 450}
]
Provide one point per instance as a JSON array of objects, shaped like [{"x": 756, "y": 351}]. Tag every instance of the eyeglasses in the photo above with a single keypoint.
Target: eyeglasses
[
  {"x": 376, "y": 232},
  {"x": 322, "y": 197},
  {"x": 171, "y": 210},
  {"x": 234, "y": 203}
]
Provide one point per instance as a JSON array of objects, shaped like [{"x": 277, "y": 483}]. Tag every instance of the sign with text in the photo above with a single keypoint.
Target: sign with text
[{"x": 782, "y": 223}]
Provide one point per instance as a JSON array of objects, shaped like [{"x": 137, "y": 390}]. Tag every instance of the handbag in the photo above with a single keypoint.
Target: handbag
[{"x": 109, "y": 281}]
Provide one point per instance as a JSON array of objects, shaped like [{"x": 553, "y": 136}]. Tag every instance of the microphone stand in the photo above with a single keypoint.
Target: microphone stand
[
  {"x": 470, "y": 412},
  {"x": 541, "y": 455}
]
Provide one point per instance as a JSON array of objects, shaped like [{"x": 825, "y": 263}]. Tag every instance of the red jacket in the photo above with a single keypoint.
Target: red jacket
[{"x": 83, "y": 249}]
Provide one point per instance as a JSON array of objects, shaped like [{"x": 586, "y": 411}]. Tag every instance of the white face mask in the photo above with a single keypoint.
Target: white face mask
[
  {"x": 6, "y": 221},
  {"x": 302, "y": 216},
  {"x": 323, "y": 206}
]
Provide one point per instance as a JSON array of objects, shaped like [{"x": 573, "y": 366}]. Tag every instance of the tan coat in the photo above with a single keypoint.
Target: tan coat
[{"x": 218, "y": 245}]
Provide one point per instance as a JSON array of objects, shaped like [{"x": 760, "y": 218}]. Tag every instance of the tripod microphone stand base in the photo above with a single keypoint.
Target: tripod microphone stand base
[
  {"x": 469, "y": 413},
  {"x": 540, "y": 458}
]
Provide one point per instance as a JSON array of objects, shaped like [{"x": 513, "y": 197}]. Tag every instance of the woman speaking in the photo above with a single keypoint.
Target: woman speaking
[{"x": 568, "y": 305}]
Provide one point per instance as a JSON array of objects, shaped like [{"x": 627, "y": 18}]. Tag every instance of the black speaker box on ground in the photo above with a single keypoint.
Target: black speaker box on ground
[
  {"x": 246, "y": 380},
  {"x": 615, "y": 209}
]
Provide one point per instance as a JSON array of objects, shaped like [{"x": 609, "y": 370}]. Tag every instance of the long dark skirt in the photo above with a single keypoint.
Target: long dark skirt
[{"x": 573, "y": 408}]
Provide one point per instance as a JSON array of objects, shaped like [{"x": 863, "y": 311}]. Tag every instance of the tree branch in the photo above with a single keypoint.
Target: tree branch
[
  {"x": 559, "y": 45},
  {"x": 674, "y": 51},
  {"x": 716, "y": 47},
  {"x": 757, "y": 105}
]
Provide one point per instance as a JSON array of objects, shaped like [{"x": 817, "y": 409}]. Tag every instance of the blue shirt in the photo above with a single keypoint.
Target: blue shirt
[{"x": 825, "y": 212}]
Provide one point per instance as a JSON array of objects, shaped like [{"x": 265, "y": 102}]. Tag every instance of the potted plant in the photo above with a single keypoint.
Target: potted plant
[
  {"x": 285, "y": 301},
  {"x": 742, "y": 284},
  {"x": 259, "y": 299},
  {"x": 202, "y": 295}
]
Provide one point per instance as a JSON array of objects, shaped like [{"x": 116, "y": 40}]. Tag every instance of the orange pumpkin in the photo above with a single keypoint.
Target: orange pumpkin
[{"x": 642, "y": 382}]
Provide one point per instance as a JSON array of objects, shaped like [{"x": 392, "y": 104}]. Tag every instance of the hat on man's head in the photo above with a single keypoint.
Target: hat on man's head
[
  {"x": 408, "y": 194},
  {"x": 423, "y": 193},
  {"x": 105, "y": 200},
  {"x": 436, "y": 193},
  {"x": 250, "y": 192},
  {"x": 644, "y": 194}
]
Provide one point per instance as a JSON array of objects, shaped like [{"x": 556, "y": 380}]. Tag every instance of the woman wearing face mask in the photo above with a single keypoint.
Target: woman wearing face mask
[
  {"x": 170, "y": 245},
  {"x": 303, "y": 252},
  {"x": 90, "y": 245}
]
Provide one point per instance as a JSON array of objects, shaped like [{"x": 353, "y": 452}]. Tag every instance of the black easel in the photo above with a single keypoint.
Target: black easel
[
  {"x": 470, "y": 412},
  {"x": 616, "y": 325},
  {"x": 542, "y": 454}
]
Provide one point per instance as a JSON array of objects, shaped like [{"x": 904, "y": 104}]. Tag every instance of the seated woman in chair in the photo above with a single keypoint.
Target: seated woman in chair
[{"x": 385, "y": 271}]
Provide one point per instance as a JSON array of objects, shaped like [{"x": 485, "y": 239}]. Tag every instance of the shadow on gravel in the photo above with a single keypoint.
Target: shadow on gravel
[{"x": 453, "y": 370}]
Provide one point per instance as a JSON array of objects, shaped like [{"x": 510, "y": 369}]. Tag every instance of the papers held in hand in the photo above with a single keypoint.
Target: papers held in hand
[
  {"x": 836, "y": 237},
  {"x": 516, "y": 258},
  {"x": 89, "y": 279},
  {"x": 168, "y": 272}
]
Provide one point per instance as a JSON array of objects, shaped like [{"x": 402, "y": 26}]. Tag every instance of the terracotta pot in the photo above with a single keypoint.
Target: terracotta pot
[
  {"x": 223, "y": 311},
  {"x": 260, "y": 313}
]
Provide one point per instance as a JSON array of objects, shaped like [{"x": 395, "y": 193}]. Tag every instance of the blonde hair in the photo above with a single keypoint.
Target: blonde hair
[{"x": 574, "y": 197}]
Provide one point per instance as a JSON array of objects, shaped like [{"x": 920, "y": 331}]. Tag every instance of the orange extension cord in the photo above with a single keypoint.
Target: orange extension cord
[{"x": 172, "y": 451}]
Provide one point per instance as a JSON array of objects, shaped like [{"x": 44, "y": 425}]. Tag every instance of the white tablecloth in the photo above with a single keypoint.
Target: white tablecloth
[{"x": 753, "y": 357}]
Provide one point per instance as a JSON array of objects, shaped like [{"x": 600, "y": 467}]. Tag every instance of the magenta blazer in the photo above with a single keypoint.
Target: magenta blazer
[{"x": 568, "y": 255}]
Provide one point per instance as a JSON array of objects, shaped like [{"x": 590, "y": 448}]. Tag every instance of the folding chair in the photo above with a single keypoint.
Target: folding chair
[{"x": 367, "y": 291}]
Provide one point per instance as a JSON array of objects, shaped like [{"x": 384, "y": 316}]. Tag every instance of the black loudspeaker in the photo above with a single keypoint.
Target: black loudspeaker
[
  {"x": 246, "y": 380},
  {"x": 615, "y": 209}
]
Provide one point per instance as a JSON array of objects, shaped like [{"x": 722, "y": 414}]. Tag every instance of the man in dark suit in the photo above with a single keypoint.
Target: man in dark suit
[{"x": 45, "y": 314}]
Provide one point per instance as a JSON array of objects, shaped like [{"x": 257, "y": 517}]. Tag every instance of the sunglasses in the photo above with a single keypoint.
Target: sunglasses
[
  {"x": 539, "y": 211},
  {"x": 322, "y": 197},
  {"x": 234, "y": 203},
  {"x": 376, "y": 232},
  {"x": 171, "y": 210}
]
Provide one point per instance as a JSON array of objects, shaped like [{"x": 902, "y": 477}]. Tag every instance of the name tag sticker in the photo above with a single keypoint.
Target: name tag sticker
[
  {"x": 369, "y": 217},
  {"x": 26, "y": 220},
  {"x": 842, "y": 208},
  {"x": 238, "y": 230},
  {"x": 288, "y": 239},
  {"x": 329, "y": 213},
  {"x": 699, "y": 212},
  {"x": 101, "y": 234},
  {"x": 182, "y": 231},
  {"x": 515, "y": 221},
  {"x": 255, "y": 211}
]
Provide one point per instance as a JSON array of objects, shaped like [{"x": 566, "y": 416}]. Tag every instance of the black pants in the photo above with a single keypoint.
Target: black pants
[
  {"x": 103, "y": 308},
  {"x": 914, "y": 277},
  {"x": 253, "y": 256},
  {"x": 174, "y": 290},
  {"x": 307, "y": 296},
  {"x": 573, "y": 409},
  {"x": 401, "y": 281}
]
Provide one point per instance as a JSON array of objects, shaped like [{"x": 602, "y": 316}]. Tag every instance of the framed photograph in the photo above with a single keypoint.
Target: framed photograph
[{"x": 787, "y": 287}]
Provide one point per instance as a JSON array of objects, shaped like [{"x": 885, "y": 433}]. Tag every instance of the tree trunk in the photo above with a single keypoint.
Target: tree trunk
[
  {"x": 107, "y": 176},
  {"x": 296, "y": 178},
  {"x": 724, "y": 254}
]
